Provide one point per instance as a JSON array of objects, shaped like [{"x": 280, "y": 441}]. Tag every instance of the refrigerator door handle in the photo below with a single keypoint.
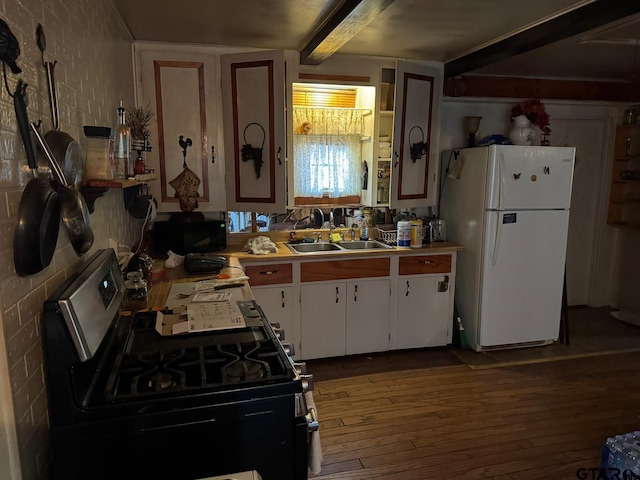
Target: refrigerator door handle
[
  {"x": 501, "y": 185},
  {"x": 496, "y": 240}
]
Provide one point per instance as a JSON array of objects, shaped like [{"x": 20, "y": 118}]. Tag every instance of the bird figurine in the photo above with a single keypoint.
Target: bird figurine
[{"x": 9, "y": 47}]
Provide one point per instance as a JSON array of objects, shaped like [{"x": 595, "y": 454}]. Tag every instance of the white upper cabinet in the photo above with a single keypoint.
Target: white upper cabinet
[
  {"x": 253, "y": 90},
  {"x": 414, "y": 172},
  {"x": 179, "y": 84}
]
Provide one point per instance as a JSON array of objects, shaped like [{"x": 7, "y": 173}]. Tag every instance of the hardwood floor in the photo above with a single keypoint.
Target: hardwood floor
[{"x": 386, "y": 420}]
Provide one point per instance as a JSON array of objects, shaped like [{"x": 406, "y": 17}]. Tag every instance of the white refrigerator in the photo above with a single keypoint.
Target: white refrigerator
[{"x": 508, "y": 206}]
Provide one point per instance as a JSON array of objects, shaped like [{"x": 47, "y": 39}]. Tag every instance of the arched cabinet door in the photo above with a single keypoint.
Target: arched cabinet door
[
  {"x": 253, "y": 92},
  {"x": 415, "y": 154}
]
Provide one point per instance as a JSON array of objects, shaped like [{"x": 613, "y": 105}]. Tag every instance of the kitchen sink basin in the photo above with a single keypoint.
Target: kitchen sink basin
[
  {"x": 364, "y": 245},
  {"x": 313, "y": 247}
]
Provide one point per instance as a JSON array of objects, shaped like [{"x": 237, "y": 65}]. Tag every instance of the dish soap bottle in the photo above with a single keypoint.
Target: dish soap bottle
[{"x": 122, "y": 147}]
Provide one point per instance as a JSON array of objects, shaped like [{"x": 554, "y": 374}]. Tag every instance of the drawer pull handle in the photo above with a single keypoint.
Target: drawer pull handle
[
  {"x": 270, "y": 272},
  {"x": 426, "y": 262}
]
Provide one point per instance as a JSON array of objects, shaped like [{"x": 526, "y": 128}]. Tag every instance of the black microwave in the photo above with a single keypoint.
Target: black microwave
[{"x": 192, "y": 237}]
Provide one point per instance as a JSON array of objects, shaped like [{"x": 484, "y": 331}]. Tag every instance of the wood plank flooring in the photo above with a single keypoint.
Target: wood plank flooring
[{"x": 387, "y": 420}]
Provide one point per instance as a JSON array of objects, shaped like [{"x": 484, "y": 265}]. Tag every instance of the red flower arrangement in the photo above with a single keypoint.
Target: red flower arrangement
[{"x": 534, "y": 110}]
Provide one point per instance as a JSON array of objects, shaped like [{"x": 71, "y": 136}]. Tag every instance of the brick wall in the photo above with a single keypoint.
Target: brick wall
[{"x": 94, "y": 70}]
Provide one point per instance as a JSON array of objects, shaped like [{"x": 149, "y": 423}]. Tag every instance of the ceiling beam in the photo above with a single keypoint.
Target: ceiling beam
[
  {"x": 580, "y": 20},
  {"x": 514, "y": 87},
  {"x": 342, "y": 24}
]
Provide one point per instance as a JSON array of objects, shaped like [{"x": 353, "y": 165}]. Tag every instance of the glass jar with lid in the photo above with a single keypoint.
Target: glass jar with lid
[{"x": 136, "y": 294}]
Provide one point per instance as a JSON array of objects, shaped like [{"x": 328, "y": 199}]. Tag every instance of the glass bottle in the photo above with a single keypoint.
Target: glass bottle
[
  {"x": 136, "y": 293},
  {"x": 122, "y": 147}
]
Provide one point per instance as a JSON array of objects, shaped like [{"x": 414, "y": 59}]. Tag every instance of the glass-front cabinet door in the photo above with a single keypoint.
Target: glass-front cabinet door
[{"x": 253, "y": 108}]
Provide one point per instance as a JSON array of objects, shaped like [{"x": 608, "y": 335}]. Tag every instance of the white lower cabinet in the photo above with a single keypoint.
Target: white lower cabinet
[
  {"x": 322, "y": 307},
  {"x": 344, "y": 318},
  {"x": 367, "y": 316},
  {"x": 274, "y": 290},
  {"x": 424, "y": 315},
  {"x": 333, "y": 308},
  {"x": 277, "y": 303}
]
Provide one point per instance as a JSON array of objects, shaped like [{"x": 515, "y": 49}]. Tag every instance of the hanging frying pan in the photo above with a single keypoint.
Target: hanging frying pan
[
  {"x": 64, "y": 148},
  {"x": 75, "y": 213},
  {"x": 36, "y": 234}
]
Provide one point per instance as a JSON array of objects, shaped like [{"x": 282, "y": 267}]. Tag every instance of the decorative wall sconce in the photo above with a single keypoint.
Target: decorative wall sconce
[
  {"x": 250, "y": 152},
  {"x": 418, "y": 149}
]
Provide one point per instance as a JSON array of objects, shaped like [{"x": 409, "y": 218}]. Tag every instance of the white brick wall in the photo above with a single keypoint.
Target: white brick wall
[{"x": 94, "y": 70}]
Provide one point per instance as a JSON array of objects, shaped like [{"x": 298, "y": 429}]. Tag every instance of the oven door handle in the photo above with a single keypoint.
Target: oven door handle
[
  {"x": 312, "y": 420},
  {"x": 177, "y": 425}
]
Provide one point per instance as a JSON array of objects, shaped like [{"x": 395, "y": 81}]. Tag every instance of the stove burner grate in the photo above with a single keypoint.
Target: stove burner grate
[{"x": 193, "y": 368}]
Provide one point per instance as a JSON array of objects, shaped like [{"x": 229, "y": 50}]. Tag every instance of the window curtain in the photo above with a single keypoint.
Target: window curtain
[{"x": 327, "y": 158}]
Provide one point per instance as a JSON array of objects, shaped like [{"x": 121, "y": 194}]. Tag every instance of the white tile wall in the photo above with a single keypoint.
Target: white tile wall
[{"x": 94, "y": 71}]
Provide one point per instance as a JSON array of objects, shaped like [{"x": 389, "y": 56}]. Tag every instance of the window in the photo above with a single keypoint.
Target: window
[{"x": 327, "y": 144}]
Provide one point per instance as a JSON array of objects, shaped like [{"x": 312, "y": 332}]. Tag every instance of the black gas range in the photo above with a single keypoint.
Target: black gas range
[{"x": 126, "y": 402}]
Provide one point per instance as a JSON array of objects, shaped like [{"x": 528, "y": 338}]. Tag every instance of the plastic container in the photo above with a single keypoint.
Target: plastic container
[
  {"x": 98, "y": 161},
  {"x": 416, "y": 233},
  {"x": 404, "y": 234}
]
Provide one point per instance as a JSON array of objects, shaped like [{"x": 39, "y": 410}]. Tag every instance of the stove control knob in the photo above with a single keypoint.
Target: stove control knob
[
  {"x": 301, "y": 368},
  {"x": 279, "y": 333},
  {"x": 289, "y": 349},
  {"x": 312, "y": 420},
  {"x": 307, "y": 382}
]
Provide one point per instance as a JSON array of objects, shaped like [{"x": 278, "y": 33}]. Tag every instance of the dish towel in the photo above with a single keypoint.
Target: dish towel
[
  {"x": 260, "y": 246},
  {"x": 315, "y": 449}
]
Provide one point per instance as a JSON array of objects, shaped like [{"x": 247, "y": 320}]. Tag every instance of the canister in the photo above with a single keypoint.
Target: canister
[
  {"x": 438, "y": 230},
  {"x": 98, "y": 165},
  {"x": 416, "y": 233},
  {"x": 404, "y": 234}
]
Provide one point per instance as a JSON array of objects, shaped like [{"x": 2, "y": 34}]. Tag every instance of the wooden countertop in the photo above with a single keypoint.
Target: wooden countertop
[{"x": 159, "y": 291}]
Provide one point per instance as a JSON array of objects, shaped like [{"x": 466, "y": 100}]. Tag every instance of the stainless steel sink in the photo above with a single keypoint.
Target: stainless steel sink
[
  {"x": 364, "y": 245},
  {"x": 313, "y": 247}
]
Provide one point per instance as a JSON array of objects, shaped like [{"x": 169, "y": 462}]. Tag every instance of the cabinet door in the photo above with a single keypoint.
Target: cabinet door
[
  {"x": 322, "y": 312},
  {"x": 277, "y": 304},
  {"x": 367, "y": 316},
  {"x": 415, "y": 135},
  {"x": 253, "y": 111},
  {"x": 180, "y": 88},
  {"x": 424, "y": 313}
]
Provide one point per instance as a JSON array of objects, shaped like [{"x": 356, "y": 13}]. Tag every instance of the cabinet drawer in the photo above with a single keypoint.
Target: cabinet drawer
[
  {"x": 269, "y": 274},
  {"x": 424, "y": 264},
  {"x": 344, "y": 269}
]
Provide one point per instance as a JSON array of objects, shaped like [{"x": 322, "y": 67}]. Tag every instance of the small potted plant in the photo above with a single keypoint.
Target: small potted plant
[{"x": 138, "y": 119}]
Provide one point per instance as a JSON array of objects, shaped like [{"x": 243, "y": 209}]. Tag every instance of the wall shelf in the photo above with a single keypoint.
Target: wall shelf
[{"x": 91, "y": 190}]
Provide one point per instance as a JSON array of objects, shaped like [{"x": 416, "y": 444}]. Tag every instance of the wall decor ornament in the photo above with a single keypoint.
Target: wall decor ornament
[
  {"x": 418, "y": 149},
  {"x": 187, "y": 182},
  {"x": 534, "y": 110},
  {"x": 250, "y": 152}
]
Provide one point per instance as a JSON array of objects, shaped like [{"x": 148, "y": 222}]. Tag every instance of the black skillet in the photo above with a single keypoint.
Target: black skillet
[{"x": 36, "y": 233}]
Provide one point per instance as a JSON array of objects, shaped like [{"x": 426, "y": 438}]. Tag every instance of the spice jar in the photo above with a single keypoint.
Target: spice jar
[{"x": 136, "y": 293}]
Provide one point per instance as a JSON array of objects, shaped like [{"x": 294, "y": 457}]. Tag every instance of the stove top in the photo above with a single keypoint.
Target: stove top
[{"x": 151, "y": 365}]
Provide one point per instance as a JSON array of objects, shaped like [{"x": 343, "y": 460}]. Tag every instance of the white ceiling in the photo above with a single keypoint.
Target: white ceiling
[{"x": 409, "y": 29}]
